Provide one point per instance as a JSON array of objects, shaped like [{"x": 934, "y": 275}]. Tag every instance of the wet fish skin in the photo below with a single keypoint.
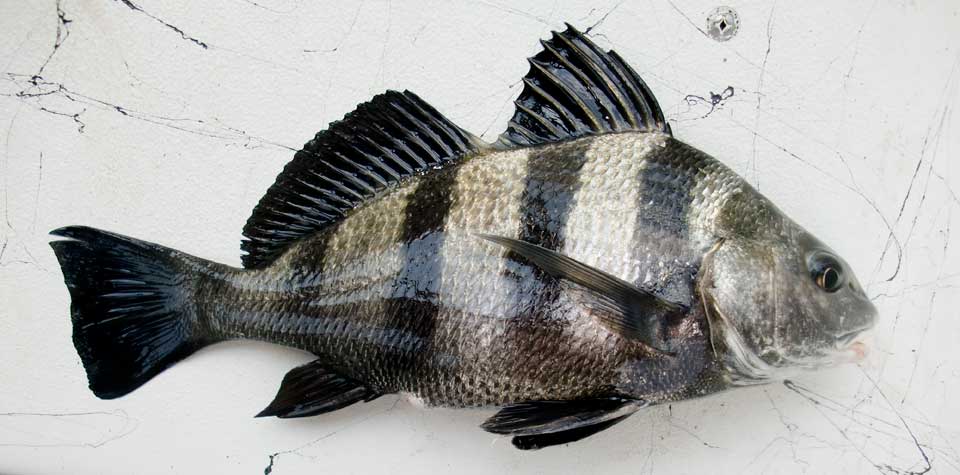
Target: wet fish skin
[
  {"x": 585, "y": 266},
  {"x": 404, "y": 311}
]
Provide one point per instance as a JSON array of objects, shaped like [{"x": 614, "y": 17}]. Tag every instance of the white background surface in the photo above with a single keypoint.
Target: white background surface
[{"x": 842, "y": 115}]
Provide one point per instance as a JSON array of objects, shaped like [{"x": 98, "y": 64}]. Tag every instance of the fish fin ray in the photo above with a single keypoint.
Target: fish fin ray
[
  {"x": 312, "y": 389},
  {"x": 130, "y": 306},
  {"x": 536, "y": 423},
  {"x": 619, "y": 305},
  {"x": 393, "y": 136},
  {"x": 539, "y": 441},
  {"x": 573, "y": 89}
]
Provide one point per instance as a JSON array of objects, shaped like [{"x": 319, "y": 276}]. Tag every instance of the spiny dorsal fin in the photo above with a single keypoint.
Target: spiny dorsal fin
[
  {"x": 393, "y": 136},
  {"x": 574, "y": 89}
]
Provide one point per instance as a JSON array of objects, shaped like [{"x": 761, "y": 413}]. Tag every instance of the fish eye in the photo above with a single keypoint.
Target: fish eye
[{"x": 826, "y": 272}]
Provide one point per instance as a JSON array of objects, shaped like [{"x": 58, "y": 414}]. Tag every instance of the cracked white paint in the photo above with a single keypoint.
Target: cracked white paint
[{"x": 167, "y": 120}]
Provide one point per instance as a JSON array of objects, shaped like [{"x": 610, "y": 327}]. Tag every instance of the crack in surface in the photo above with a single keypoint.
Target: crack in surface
[
  {"x": 272, "y": 458},
  {"x": 33, "y": 88},
  {"x": 182, "y": 34},
  {"x": 763, "y": 71},
  {"x": 75, "y": 421},
  {"x": 63, "y": 32},
  {"x": 823, "y": 405}
]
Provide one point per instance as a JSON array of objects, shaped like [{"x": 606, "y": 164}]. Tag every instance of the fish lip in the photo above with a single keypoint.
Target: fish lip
[
  {"x": 847, "y": 338},
  {"x": 844, "y": 339}
]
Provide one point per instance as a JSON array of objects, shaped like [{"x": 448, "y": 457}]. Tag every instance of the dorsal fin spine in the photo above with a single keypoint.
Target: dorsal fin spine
[
  {"x": 643, "y": 97},
  {"x": 421, "y": 128},
  {"x": 579, "y": 90},
  {"x": 545, "y": 123},
  {"x": 566, "y": 115},
  {"x": 578, "y": 74},
  {"x": 336, "y": 184},
  {"x": 368, "y": 137},
  {"x": 549, "y": 98},
  {"x": 415, "y": 140},
  {"x": 622, "y": 87},
  {"x": 393, "y": 157},
  {"x": 590, "y": 67}
]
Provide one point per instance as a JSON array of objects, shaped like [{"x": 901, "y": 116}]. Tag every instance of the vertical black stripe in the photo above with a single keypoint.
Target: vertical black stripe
[
  {"x": 666, "y": 181},
  {"x": 414, "y": 308},
  {"x": 552, "y": 180},
  {"x": 428, "y": 205}
]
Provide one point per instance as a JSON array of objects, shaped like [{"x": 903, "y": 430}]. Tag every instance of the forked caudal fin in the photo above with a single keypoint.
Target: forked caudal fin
[{"x": 131, "y": 306}]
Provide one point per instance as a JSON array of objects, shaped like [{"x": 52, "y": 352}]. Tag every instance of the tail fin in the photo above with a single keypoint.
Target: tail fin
[{"x": 132, "y": 312}]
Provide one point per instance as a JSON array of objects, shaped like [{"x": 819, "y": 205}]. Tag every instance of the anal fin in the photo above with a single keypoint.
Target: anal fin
[{"x": 312, "y": 389}]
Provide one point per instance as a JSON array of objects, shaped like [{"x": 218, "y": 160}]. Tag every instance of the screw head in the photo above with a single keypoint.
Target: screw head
[{"x": 723, "y": 23}]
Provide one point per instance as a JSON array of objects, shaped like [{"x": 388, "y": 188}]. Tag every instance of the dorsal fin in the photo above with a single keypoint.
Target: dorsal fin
[
  {"x": 575, "y": 89},
  {"x": 393, "y": 136}
]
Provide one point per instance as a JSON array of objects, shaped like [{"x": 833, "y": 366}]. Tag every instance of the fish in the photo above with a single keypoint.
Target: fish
[{"x": 584, "y": 266}]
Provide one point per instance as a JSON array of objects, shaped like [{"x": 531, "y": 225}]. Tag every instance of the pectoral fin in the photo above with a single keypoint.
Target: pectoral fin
[
  {"x": 540, "y": 424},
  {"x": 312, "y": 389},
  {"x": 622, "y": 307}
]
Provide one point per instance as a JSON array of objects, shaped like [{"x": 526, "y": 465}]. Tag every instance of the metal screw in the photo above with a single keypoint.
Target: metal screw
[{"x": 723, "y": 23}]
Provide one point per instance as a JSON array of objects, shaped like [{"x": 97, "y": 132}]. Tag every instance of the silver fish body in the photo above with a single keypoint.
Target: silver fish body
[
  {"x": 586, "y": 265},
  {"x": 422, "y": 305}
]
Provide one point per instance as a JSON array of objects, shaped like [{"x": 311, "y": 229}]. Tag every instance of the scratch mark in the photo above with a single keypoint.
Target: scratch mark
[
  {"x": 273, "y": 10},
  {"x": 205, "y": 128},
  {"x": 296, "y": 451},
  {"x": 763, "y": 71},
  {"x": 916, "y": 442},
  {"x": 515, "y": 11},
  {"x": 76, "y": 117},
  {"x": 36, "y": 197},
  {"x": 62, "y": 34},
  {"x": 856, "y": 44},
  {"x": 926, "y": 325},
  {"x": 693, "y": 434},
  {"x": 503, "y": 106},
  {"x": 182, "y": 34},
  {"x": 856, "y": 190},
  {"x": 353, "y": 23},
  {"x": 685, "y": 17},
  {"x": 73, "y": 421},
  {"x": 944, "y": 113},
  {"x": 946, "y": 184},
  {"x": 602, "y": 19},
  {"x": 818, "y": 402}
]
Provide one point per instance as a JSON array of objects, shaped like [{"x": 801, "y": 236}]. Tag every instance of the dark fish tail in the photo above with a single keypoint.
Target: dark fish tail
[{"x": 131, "y": 306}]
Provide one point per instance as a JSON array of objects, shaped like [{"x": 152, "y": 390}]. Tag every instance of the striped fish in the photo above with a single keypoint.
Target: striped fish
[{"x": 584, "y": 266}]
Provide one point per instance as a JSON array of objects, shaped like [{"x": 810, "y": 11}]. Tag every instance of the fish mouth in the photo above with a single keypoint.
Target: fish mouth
[
  {"x": 846, "y": 338},
  {"x": 854, "y": 346}
]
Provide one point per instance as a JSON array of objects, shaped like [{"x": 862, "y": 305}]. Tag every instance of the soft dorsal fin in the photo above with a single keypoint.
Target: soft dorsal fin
[
  {"x": 393, "y": 136},
  {"x": 575, "y": 89},
  {"x": 312, "y": 389}
]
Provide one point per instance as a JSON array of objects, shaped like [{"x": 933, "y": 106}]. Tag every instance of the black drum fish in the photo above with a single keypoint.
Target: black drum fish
[{"x": 584, "y": 266}]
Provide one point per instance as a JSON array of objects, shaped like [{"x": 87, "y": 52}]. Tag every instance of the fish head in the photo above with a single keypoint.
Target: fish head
[{"x": 778, "y": 299}]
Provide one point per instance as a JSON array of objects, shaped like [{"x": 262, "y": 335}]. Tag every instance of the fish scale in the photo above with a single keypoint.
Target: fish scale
[
  {"x": 417, "y": 344},
  {"x": 586, "y": 265}
]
